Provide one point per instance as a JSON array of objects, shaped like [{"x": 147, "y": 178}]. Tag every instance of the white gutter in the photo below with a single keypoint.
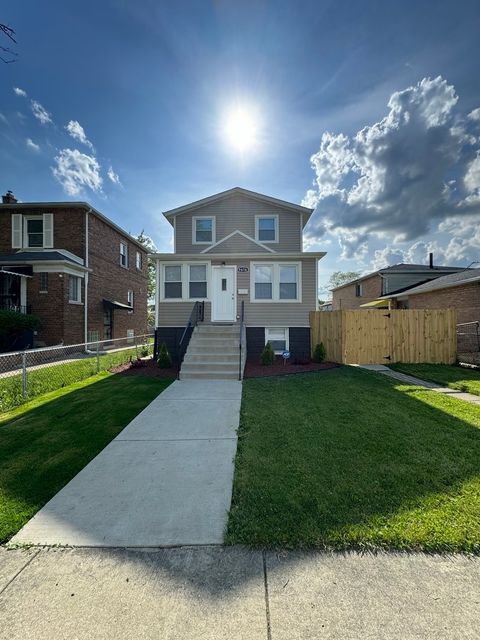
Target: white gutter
[{"x": 85, "y": 307}]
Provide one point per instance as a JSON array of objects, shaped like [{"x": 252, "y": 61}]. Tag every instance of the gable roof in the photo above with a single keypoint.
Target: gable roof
[
  {"x": 172, "y": 213},
  {"x": 402, "y": 267},
  {"x": 465, "y": 276}
]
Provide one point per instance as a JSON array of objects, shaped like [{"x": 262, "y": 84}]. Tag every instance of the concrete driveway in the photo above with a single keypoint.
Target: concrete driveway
[{"x": 166, "y": 479}]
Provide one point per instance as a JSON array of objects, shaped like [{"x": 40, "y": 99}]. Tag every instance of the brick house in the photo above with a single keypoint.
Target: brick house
[
  {"x": 460, "y": 291},
  {"x": 76, "y": 270},
  {"x": 373, "y": 286}
]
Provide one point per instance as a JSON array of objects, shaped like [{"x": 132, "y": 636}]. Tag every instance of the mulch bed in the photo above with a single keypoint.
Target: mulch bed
[
  {"x": 254, "y": 369},
  {"x": 147, "y": 368}
]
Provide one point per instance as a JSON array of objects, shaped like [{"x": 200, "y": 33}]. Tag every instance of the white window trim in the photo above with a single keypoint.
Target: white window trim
[
  {"x": 79, "y": 299},
  {"x": 194, "y": 230},
  {"x": 132, "y": 301},
  {"x": 275, "y": 282},
  {"x": 287, "y": 337},
  {"x": 185, "y": 280},
  {"x": 257, "y": 218},
  {"x": 123, "y": 244},
  {"x": 138, "y": 259}
]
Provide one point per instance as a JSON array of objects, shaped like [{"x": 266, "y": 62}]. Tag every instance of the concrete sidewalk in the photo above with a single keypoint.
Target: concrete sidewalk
[
  {"x": 218, "y": 593},
  {"x": 166, "y": 479}
]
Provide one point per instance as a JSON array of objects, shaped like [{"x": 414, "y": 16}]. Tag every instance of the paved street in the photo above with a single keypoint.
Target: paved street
[{"x": 215, "y": 593}]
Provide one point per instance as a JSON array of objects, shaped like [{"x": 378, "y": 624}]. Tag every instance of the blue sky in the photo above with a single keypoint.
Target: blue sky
[{"x": 149, "y": 84}]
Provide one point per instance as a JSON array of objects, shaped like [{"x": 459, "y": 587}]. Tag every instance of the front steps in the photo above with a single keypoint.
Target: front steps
[{"x": 212, "y": 353}]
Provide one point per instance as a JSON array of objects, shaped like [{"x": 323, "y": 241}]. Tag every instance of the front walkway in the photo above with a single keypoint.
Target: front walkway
[
  {"x": 232, "y": 593},
  {"x": 166, "y": 479},
  {"x": 403, "y": 377}
]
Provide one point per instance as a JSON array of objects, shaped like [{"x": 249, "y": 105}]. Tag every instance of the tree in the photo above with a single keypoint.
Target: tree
[
  {"x": 7, "y": 56},
  {"x": 148, "y": 243},
  {"x": 341, "y": 277}
]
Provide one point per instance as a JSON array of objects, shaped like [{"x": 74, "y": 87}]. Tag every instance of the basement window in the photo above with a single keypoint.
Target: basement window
[{"x": 278, "y": 338}]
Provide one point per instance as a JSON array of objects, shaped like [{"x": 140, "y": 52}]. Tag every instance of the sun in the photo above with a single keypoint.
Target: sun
[{"x": 240, "y": 129}]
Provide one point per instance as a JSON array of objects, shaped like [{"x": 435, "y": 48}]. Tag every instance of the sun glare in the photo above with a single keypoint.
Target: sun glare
[{"x": 241, "y": 129}]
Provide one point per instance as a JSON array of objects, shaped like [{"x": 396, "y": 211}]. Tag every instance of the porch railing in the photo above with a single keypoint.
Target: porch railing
[
  {"x": 197, "y": 315},
  {"x": 242, "y": 341}
]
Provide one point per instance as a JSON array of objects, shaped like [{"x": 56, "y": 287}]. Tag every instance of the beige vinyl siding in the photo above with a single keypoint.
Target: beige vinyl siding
[
  {"x": 238, "y": 212},
  {"x": 257, "y": 314},
  {"x": 237, "y": 244}
]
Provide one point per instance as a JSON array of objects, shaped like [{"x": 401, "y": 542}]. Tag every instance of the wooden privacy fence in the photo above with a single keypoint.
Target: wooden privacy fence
[{"x": 382, "y": 336}]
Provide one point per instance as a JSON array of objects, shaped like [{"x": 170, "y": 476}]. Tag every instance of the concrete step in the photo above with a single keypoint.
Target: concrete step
[
  {"x": 208, "y": 343},
  {"x": 209, "y": 328},
  {"x": 193, "y": 367},
  {"x": 198, "y": 350},
  {"x": 209, "y": 375},
  {"x": 211, "y": 357}
]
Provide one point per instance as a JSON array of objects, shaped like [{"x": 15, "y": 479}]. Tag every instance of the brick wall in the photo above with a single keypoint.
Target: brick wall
[
  {"x": 464, "y": 298},
  {"x": 345, "y": 297},
  {"x": 111, "y": 281}
]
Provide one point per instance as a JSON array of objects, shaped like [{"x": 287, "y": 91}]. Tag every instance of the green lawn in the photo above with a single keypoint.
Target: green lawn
[
  {"x": 56, "y": 376},
  {"x": 351, "y": 459},
  {"x": 46, "y": 442},
  {"x": 452, "y": 376}
]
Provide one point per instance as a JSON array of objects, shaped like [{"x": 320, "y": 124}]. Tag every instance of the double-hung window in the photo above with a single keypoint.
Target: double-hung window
[
  {"x": 266, "y": 228},
  {"x": 276, "y": 282},
  {"x": 173, "y": 281},
  {"x": 34, "y": 231},
  {"x": 203, "y": 230},
  {"x": 263, "y": 282},
  {"x": 123, "y": 255},
  {"x": 74, "y": 289},
  {"x": 197, "y": 282}
]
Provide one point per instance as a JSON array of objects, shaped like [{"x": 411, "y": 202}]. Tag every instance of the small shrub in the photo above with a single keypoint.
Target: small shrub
[
  {"x": 144, "y": 351},
  {"x": 319, "y": 353},
  {"x": 268, "y": 355},
  {"x": 164, "y": 360}
]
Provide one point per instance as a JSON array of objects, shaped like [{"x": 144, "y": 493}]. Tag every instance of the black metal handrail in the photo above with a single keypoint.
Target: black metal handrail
[
  {"x": 197, "y": 315},
  {"x": 240, "y": 344}
]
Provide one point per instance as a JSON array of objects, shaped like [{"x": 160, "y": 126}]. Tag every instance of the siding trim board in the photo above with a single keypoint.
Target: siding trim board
[{"x": 231, "y": 235}]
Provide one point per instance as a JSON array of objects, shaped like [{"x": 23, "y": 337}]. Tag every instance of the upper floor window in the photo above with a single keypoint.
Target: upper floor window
[
  {"x": 203, "y": 231},
  {"x": 266, "y": 228},
  {"x": 32, "y": 231},
  {"x": 123, "y": 255},
  {"x": 74, "y": 289},
  {"x": 138, "y": 260},
  {"x": 358, "y": 290}
]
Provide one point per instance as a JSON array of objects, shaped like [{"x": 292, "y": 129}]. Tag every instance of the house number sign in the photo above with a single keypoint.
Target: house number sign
[{"x": 242, "y": 269}]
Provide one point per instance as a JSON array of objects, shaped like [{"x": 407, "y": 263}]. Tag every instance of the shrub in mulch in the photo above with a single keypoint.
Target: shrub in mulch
[
  {"x": 254, "y": 369},
  {"x": 147, "y": 368}
]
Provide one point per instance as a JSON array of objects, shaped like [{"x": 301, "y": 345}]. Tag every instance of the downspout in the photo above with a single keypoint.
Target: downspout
[{"x": 85, "y": 307}]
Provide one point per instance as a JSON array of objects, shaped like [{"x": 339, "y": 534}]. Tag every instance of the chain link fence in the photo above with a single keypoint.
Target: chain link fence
[
  {"x": 468, "y": 342},
  {"x": 27, "y": 374}
]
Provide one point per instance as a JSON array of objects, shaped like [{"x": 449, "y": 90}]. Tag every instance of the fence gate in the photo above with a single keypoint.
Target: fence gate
[{"x": 382, "y": 336}]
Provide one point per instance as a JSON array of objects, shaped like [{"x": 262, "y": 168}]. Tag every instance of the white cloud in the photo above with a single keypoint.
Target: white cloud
[
  {"x": 75, "y": 170},
  {"x": 19, "y": 92},
  {"x": 40, "y": 112},
  {"x": 77, "y": 132},
  {"x": 394, "y": 179},
  {"x": 114, "y": 177},
  {"x": 32, "y": 145},
  {"x": 475, "y": 114},
  {"x": 3, "y": 118}
]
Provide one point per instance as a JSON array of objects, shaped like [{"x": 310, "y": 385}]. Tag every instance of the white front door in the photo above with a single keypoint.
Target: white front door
[{"x": 224, "y": 298}]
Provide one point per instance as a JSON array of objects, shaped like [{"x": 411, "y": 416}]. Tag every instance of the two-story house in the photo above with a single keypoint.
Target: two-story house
[
  {"x": 241, "y": 253},
  {"x": 77, "y": 271},
  {"x": 369, "y": 289}
]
